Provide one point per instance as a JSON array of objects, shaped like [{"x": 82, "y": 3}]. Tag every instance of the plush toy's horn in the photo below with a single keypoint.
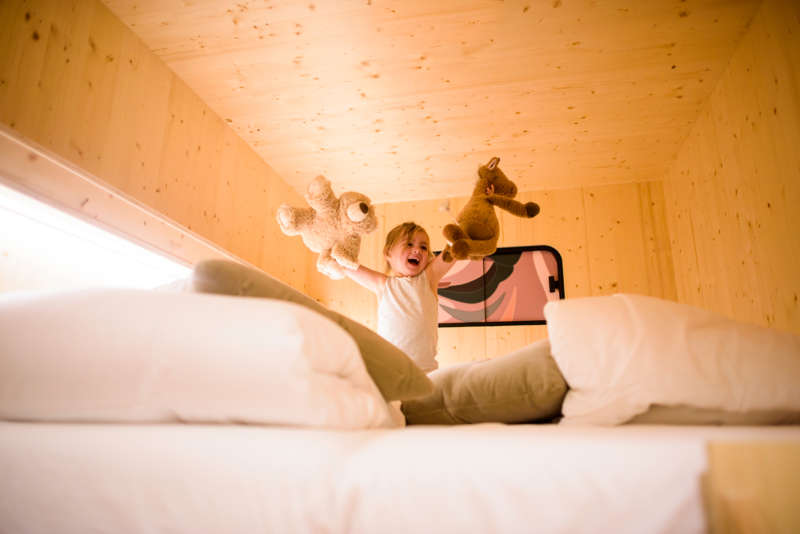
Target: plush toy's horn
[
  {"x": 492, "y": 163},
  {"x": 357, "y": 212}
]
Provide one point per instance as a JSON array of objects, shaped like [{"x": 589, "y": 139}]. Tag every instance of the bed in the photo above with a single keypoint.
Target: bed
[
  {"x": 202, "y": 411},
  {"x": 467, "y": 478}
]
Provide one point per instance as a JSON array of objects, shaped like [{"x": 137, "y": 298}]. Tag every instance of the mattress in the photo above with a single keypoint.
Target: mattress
[{"x": 472, "y": 478}]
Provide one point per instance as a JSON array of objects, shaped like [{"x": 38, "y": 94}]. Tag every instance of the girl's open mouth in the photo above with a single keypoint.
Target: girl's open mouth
[{"x": 413, "y": 261}]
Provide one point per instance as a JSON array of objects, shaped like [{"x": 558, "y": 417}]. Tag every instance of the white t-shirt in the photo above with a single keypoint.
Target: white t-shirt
[{"x": 408, "y": 318}]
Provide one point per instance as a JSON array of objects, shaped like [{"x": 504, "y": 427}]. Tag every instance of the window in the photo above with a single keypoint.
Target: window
[{"x": 44, "y": 248}]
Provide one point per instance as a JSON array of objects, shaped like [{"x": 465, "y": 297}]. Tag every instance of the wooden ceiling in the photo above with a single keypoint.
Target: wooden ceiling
[{"x": 403, "y": 99}]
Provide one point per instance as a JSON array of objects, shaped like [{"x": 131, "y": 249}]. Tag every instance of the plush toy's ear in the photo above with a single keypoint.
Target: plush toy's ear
[{"x": 492, "y": 163}]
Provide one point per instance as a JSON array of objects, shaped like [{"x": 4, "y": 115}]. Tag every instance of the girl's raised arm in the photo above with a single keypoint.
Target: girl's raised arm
[
  {"x": 437, "y": 269},
  {"x": 366, "y": 277}
]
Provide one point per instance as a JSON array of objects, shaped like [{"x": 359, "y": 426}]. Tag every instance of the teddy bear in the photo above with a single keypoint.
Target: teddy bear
[
  {"x": 330, "y": 226},
  {"x": 478, "y": 229}
]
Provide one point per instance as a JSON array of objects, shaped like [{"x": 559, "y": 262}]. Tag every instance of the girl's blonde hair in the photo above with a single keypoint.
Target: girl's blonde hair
[{"x": 399, "y": 233}]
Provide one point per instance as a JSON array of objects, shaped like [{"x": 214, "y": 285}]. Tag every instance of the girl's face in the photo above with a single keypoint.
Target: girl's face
[{"x": 408, "y": 257}]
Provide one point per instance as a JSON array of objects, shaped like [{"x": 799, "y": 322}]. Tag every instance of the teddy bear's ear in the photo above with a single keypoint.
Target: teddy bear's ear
[{"x": 492, "y": 163}]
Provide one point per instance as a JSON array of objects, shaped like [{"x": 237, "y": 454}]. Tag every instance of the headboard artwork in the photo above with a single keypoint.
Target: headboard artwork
[{"x": 510, "y": 287}]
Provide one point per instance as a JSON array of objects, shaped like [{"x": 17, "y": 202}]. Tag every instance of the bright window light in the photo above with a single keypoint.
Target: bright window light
[{"x": 44, "y": 248}]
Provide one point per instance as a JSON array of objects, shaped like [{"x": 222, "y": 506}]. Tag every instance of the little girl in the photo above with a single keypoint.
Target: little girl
[{"x": 407, "y": 299}]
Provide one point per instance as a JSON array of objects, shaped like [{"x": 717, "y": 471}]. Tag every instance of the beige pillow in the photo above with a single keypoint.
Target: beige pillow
[
  {"x": 395, "y": 374},
  {"x": 688, "y": 415},
  {"x": 523, "y": 386}
]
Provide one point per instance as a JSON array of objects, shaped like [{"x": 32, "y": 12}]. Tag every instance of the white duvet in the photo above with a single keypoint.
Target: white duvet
[{"x": 482, "y": 478}]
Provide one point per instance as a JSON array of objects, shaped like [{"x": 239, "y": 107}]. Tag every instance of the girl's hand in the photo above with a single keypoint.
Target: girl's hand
[{"x": 490, "y": 190}]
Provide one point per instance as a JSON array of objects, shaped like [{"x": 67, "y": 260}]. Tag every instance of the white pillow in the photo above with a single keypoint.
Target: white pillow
[
  {"x": 149, "y": 356},
  {"x": 622, "y": 353}
]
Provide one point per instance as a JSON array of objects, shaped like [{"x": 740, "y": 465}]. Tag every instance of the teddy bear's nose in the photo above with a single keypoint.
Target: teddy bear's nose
[{"x": 357, "y": 212}]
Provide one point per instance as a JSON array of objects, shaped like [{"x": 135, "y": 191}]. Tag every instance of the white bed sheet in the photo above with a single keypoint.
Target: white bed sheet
[{"x": 481, "y": 478}]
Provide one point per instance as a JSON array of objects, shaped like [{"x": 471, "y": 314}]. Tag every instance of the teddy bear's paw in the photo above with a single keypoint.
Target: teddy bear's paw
[
  {"x": 347, "y": 263},
  {"x": 331, "y": 269},
  {"x": 286, "y": 219},
  {"x": 453, "y": 233},
  {"x": 346, "y": 254},
  {"x": 447, "y": 257},
  {"x": 334, "y": 275},
  {"x": 460, "y": 249},
  {"x": 531, "y": 209},
  {"x": 319, "y": 187},
  {"x": 328, "y": 266}
]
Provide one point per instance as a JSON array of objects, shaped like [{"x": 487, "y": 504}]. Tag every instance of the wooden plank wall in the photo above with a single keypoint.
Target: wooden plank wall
[
  {"x": 734, "y": 191},
  {"x": 751, "y": 486},
  {"x": 611, "y": 238},
  {"x": 78, "y": 82}
]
